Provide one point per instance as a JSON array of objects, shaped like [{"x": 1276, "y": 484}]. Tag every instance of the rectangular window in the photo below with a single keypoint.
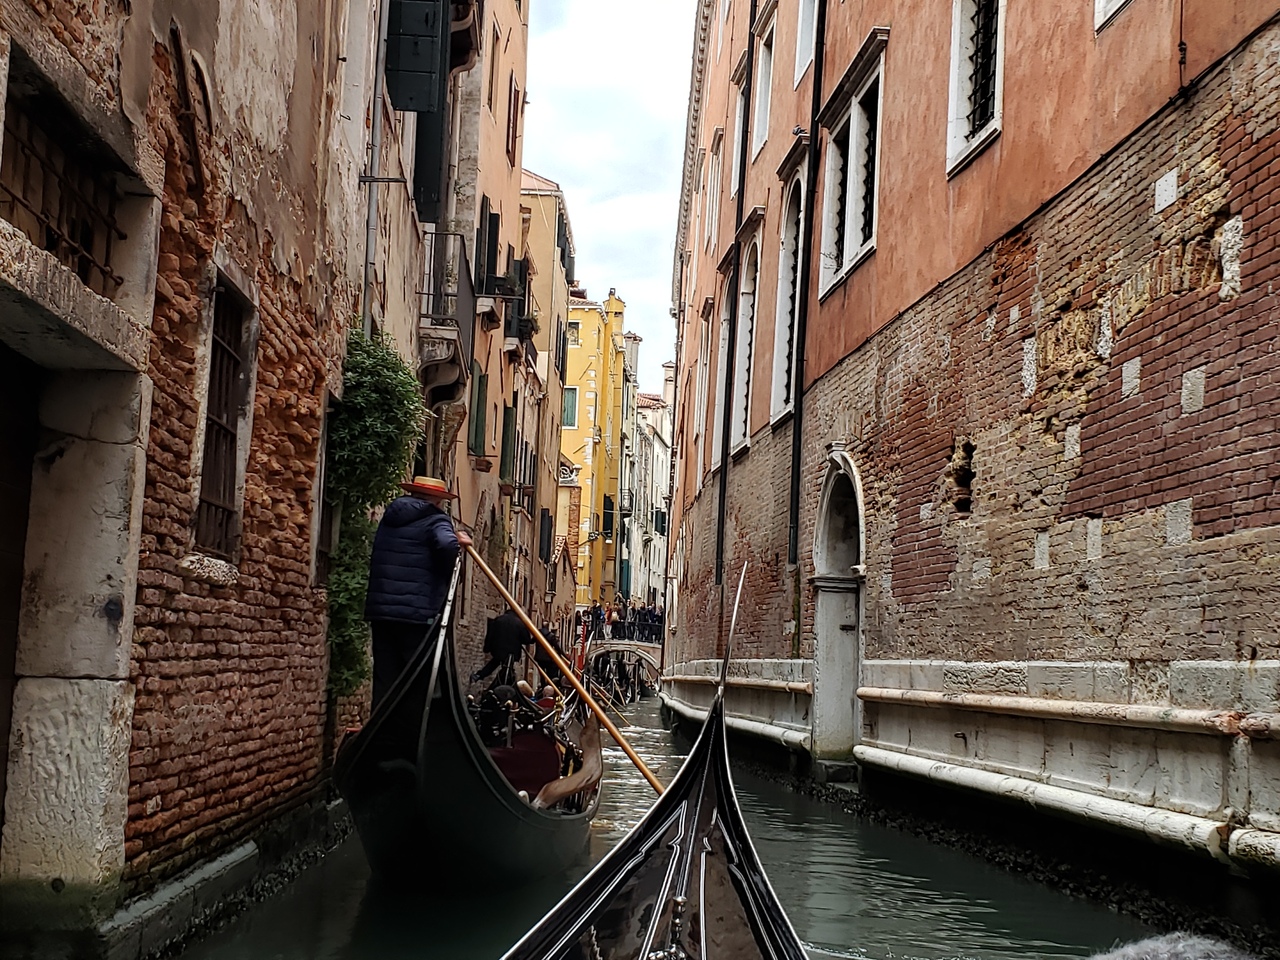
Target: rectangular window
[
  {"x": 977, "y": 62},
  {"x": 61, "y": 196},
  {"x": 575, "y": 333},
  {"x": 479, "y": 402},
  {"x": 546, "y": 535},
  {"x": 744, "y": 346},
  {"x": 786, "y": 315},
  {"x": 513, "y": 119},
  {"x": 722, "y": 376},
  {"x": 493, "y": 65},
  {"x": 569, "y": 417},
  {"x": 507, "y": 457},
  {"x": 853, "y": 162},
  {"x": 764, "y": 90},
  {"x": 607, "y": 526},
  {"x": 713, "y": 196},
  {"x": 806, "y": 18},
  {"x": 868, "y": 115},
  {"x": 700, "y": 390},
  {"x": 218, "y": 513}
]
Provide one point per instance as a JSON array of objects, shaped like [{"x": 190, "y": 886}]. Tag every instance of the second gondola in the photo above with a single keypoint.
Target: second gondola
[{"x": 436, "y": 805}]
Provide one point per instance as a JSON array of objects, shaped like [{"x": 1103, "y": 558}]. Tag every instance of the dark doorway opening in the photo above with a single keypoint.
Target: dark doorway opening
[{"x": 20, "y": 382}]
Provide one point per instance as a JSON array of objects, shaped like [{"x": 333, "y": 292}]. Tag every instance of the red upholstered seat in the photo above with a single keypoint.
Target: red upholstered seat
[{"x": 530, "y": 763}]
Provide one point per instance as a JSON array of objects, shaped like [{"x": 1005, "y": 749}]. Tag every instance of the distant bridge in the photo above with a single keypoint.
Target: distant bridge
[{"x": 651, "y": 653}]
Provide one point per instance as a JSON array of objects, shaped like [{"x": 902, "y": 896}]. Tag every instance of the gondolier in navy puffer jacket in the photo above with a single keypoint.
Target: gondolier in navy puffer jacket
[{"x": 414, "y": 552}]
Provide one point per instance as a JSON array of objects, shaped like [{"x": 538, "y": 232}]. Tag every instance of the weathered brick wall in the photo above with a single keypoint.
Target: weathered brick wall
[
  {"x": 755, "y": 534},
  {"x": 231, "y": 681},
  {"x": 91, "y": 32},
  {"x": 1109, "y": 374}
]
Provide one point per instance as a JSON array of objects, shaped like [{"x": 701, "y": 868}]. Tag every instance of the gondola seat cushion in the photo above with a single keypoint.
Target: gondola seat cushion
[
  {"x": 530, "y": 763},
  {"x": 414, "y": 552}
]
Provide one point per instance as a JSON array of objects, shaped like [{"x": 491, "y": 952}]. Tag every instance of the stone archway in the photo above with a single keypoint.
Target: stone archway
[{"x": 839, "y": 575}]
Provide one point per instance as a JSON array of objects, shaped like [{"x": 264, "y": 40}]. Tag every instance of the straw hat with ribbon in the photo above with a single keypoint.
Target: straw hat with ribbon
[{"x": 429, "y": 487}]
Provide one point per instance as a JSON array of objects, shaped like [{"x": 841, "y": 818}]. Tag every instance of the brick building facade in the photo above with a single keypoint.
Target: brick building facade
[{"x": 1031, "y": 544}]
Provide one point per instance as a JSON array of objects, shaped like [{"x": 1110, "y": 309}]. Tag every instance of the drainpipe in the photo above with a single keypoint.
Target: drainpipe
[
  {"x": 802, "y": 294},
  {"x": 726, "y": 421},
  {"x": 373, "y": 179}
]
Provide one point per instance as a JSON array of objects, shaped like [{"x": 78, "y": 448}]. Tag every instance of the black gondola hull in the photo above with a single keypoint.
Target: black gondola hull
[
  {"x": 685, "y": 882},
  {"x": 431, "y": 807}
]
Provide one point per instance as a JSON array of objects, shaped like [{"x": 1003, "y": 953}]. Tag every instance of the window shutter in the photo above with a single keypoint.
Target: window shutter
[
  {"x": 546, "y": 533},
  {"x": 479, "y": 402},
  {"x": 506, "y": 466}
]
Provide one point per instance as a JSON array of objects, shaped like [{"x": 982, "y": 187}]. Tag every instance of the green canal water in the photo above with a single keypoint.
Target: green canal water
[{"x": 852, "y": 889}]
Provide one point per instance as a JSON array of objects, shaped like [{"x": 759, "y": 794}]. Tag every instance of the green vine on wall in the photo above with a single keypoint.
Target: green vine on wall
[{"x": 372, "y": 436}]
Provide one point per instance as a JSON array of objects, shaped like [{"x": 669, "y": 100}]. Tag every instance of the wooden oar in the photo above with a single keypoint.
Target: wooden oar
[{"x": 567, "y": 671}]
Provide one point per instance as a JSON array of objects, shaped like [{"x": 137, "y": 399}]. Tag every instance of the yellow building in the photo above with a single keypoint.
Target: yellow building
[{"x": 591, "y": 435}]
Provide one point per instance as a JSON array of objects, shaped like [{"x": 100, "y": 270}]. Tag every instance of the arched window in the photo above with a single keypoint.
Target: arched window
[
  {"x": 785, "y": 327},
  {"x": 744, "y": 348}
]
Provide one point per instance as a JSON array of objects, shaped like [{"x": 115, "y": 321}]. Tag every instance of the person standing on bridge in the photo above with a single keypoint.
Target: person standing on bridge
[{"x": 414, "y": 552}]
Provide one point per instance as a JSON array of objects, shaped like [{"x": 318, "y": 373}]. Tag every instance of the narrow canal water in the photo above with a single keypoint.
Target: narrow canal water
[{"x": 852, "y": 889}]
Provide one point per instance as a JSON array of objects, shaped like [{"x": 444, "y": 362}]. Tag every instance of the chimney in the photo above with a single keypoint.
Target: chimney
[{"x": 669, "y": 383}]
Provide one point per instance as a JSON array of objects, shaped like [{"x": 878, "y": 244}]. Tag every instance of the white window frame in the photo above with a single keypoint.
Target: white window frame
[
  {"x": 739, "y": 121},
  {"x": 962, "y": 148},
  {"x": 763, "y": 92},
  {"x": 844, "y": 185},
  {"x": 806, "y": 37},
  {"x": 744, "y": 349},
  {"x": 787, "y": 312},
  {"x": 714, "y": 180},
  {"x": 1104, "y": 11},
  {"x": 700, "y": 389},
  {"x": 577, "y": 419}
]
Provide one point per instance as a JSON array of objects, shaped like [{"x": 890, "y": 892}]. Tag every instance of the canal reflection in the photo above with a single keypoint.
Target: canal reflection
[{"x": 852, "y": 889}]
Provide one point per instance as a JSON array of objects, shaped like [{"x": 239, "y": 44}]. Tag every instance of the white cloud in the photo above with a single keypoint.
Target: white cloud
[{"x": 608, "y": 92}]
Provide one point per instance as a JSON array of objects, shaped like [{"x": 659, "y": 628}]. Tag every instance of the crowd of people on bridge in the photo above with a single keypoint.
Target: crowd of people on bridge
[{"x": 625, "y": 620}]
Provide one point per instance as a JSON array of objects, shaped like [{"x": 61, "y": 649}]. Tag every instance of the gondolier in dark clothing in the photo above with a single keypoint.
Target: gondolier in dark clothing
[
  {"x": 504, "y": 642},
  {"x": 414, "y": 552}
]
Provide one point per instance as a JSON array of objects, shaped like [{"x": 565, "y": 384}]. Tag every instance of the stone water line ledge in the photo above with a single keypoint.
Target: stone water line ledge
[
  {"x": 202, "y": 898},
  {"x": 1184, "y": 753}
]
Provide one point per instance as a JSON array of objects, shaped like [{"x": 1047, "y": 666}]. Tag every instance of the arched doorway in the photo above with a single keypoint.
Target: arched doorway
[{"x": 837, "y": 620}]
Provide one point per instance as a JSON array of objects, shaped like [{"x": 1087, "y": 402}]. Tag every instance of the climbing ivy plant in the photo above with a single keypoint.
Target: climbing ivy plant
[{"x": 372, "y": 437}]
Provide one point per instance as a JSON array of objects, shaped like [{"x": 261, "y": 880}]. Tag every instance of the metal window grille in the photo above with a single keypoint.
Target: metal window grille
[
  {"x": 216, "y": 528},
  {"x": 870, "y": 107},
  {"x": 982, "y": 64},
  {"x": 64, "y": 201}
]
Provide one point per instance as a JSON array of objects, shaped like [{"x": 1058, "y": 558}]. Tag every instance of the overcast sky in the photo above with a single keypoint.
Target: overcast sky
[{"x": 608, "y": 90}]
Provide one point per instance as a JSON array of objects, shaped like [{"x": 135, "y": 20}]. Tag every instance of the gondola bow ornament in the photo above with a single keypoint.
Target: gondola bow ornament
[{"x": 684, "y": 884}]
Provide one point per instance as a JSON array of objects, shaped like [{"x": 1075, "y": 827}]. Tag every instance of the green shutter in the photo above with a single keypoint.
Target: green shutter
[
  {"x": 570, "y": 415},
  {"x": 479, "y": 404}
]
